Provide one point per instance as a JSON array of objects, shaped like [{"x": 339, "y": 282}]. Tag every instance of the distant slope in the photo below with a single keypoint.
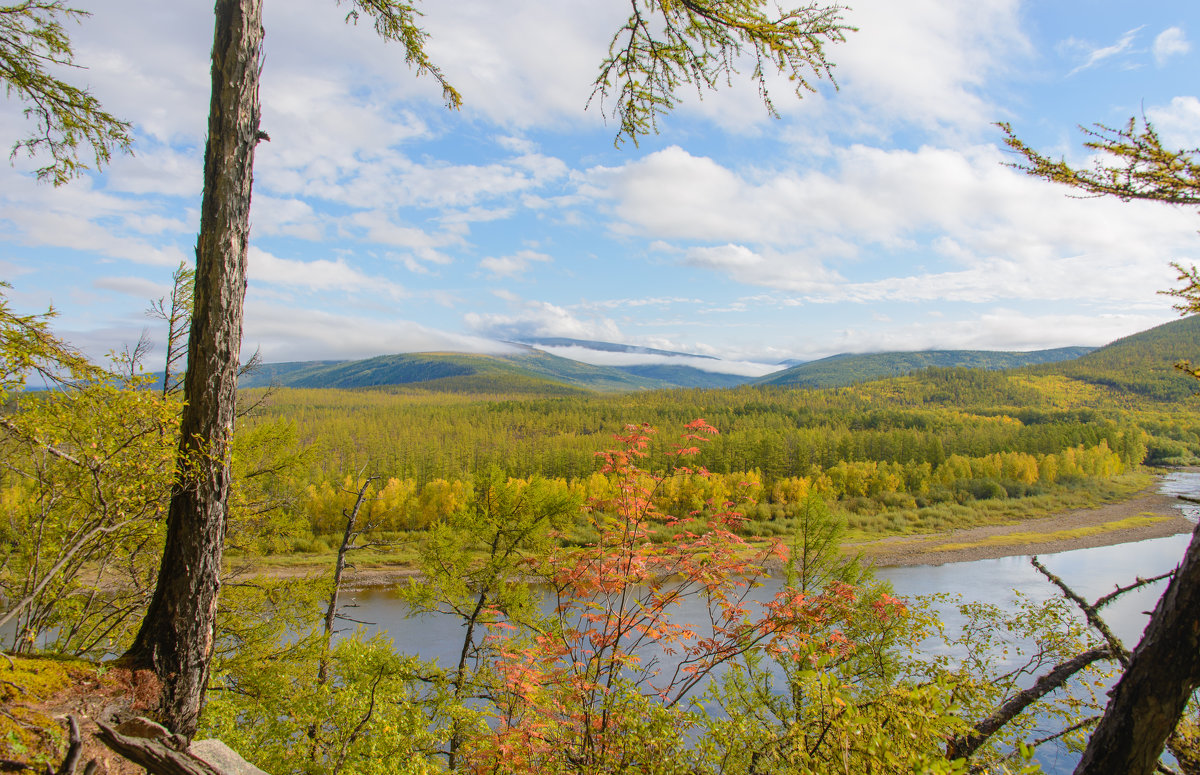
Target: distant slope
[
  {"x": 518, "y": 372},
  {"x": 1143, "y": 363},
  {"x": 275, "y": 373},
  {"x": 850, "y": 368},
  {"x": 684, "y": 376}
]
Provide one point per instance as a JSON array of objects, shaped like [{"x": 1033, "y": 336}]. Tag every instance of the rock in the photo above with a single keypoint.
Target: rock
[{"x": 223, "y": 758}]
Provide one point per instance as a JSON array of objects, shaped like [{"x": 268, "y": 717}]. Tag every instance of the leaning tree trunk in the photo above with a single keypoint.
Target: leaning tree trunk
[
  {"x": 176, "y": 637},
  {"x": 1163, "y": 671}
]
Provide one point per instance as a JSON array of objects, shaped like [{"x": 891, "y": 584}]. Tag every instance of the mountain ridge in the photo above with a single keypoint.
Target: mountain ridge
[
  {"x": 849, "y": 368},
  {"x": 1142, "y": 363}
]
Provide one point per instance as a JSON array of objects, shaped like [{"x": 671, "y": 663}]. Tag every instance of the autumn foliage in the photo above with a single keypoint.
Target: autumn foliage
[{"x": 608, "y": 680}]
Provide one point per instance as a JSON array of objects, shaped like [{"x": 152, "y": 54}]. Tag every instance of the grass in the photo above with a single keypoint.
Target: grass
[
  {"x": 401, "y": 551},
  {"x": 1011, "y": 539},
  {"x": 999, "y": 511}
]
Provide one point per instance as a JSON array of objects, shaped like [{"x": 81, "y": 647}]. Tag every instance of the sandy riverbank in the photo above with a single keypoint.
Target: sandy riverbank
[{"x": 1147, "y": 515}]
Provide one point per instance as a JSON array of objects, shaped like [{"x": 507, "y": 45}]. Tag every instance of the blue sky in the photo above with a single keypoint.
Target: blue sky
[{"x": 878, "y": 216}]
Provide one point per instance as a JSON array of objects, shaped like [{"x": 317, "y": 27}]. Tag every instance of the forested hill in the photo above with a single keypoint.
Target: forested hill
[
  {"x": 1143, "y": 363},
  {"x": 851, "y": 368},
  {"x": 525, "y": 371}
]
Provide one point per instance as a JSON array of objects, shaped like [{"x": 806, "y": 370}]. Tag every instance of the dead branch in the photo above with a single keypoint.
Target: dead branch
[
  {"x": 1089, "y": 610},
  {"x": 154, "y": 754},
  {"x": 1138, "y": 584},
  {"x": 964, "y": 747},
  {"x": 71, "y": 760}
]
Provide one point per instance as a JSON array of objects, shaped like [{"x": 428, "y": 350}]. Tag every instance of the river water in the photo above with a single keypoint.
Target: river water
[{"x": 1090, "y": 572}]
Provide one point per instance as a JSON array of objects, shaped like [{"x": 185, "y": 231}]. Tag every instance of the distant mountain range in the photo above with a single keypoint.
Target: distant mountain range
[{"x": 1142, "y": 363}]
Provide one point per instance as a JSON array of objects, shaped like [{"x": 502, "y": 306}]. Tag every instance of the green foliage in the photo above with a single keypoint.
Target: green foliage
[
  {"x": 69, "y": 121},
  {"x": 397, "y": 21},
  {"x": 84, "y": 482},
  {"x": 28, "y": 347},
  {"x": 1131, "y": 163},
  {"x": 263, "y": 517},
  {"x": 369, "y": 713},
  {"x": 941, "y": 436},
  {"x": 372, "y": 716},
  {"x": 666, "y": 43},
  {"x": 525, "y": 371},
  {"x": 86, "y": 466}
]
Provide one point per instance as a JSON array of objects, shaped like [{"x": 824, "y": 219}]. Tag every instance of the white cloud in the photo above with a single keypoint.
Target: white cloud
[
  {"x": 284, "y": 335},
  {"x": 997, "y": 328},
  {"x": 1093, "y": 55},
  {"x": 1178, "y": 123},
  {"x": 1170, "y": 42},
  {"x": 511, "y": 266},
  {"x": 161, "y": 81},
  {"x": 288, "y": 216},
  {"x": 714, "y": 365},
  {"x": 422, "y": 247},
  {"x": 926, "y": 62},
  {"x": 138, "y": 287},
  {"x": 62, "y": 230},
  {"x": 1003, "y": 234},
  {"x": 540, "y": 319},
  {"x": 319, "y": 275},
  {"x": 158, "y": 169}
]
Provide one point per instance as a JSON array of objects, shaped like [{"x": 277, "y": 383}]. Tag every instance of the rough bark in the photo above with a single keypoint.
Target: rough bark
[
  {"x": 1145, "y": 705},
  {"x": 176, "y": 637}
]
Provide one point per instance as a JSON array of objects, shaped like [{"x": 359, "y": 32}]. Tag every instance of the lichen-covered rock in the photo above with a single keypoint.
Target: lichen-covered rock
[{"x": 223, "y": 758}]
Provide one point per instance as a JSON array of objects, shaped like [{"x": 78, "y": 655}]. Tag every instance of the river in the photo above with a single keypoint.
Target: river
[{"x": 1090, "y": 572}]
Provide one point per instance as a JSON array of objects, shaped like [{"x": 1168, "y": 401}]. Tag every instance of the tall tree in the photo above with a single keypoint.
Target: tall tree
[
  {"x": 176, "y": 636},
  {"x": 696, "y": 42},
  {"x": 1164, "y": 670}
]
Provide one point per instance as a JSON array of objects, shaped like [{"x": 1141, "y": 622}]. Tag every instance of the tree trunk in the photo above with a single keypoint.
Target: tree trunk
[
  {"x": 176, "y": 637},
  {"x": 1163, "y": 671}
]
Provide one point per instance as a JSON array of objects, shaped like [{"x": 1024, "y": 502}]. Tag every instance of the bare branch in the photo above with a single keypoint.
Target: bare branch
[
  {"x": 964, "y": 747},
  {"x": 1089, "y": 610}
]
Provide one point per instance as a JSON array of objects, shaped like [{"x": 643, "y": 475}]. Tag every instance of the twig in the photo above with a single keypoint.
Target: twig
[
  {"x": 963, "y": 747},
  {"x": 1089, "y": 610},
  {"x": 1140, "y": 582},
  {"x": 358, "y": 729}
]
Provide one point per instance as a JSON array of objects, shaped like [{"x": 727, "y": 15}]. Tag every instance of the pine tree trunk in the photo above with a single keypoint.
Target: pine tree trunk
[
  {"x": 1163, "y": 671},
  {"x": 176, "y": 637}
]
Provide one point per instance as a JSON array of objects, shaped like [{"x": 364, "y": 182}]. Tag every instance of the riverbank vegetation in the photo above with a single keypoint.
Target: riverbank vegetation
[{"x": 936, "y": 450}]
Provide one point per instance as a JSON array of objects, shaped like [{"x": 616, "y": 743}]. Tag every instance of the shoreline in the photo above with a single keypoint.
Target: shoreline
[{"x": 1149, "y": 514}]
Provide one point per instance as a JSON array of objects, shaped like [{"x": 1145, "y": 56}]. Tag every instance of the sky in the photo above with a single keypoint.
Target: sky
[{"x": 878, "y": 215}]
